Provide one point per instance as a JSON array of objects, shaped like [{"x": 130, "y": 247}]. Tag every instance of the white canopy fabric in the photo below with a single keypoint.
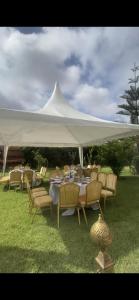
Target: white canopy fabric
[{"x": 58, "y": 124}]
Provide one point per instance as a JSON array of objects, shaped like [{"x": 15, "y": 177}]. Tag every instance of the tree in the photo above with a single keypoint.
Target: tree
[
  {"x": 131, "y": 108},
  {"x": 41, "y": 161},
  {"x": 118, "y": 154}
]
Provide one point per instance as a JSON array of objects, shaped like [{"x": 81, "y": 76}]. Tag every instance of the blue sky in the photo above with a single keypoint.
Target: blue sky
[{"x": 92, "y": 65}]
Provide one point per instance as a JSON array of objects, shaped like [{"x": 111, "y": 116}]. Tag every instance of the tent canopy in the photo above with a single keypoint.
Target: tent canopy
[{"x": 58, "y": 124}]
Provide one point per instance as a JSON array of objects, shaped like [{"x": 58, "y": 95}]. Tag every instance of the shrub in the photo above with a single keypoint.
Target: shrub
[
  {"x": 118, "y": 154},
  {"x": 136, "y": 163},
  {"x": 41, "y": 161}
]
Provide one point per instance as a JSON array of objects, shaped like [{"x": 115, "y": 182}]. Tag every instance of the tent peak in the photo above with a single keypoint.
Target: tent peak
[{"x": 56, "y": 104}]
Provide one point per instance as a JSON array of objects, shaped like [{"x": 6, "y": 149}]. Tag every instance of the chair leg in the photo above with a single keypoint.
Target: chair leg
[
  {"x": 84, "y": 215},
  {"x": 30, "y": 209},
  {"x": 34, "y": 215},
  {"x": 104, "y": 203},
  {"x": 58, "y": 221},
  {"x": 51, "y": 210},
  {"x": 101, "y": 210},
  {"x": 78, "y": 216}
]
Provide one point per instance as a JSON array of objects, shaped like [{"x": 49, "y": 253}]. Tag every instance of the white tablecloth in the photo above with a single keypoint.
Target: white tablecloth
[{"x": 54, "y": 191}]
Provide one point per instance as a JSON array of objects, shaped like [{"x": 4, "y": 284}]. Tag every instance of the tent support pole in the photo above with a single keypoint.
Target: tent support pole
[
  {"x": 5, "y": 152},
  {"x": 81, "y": 156}
]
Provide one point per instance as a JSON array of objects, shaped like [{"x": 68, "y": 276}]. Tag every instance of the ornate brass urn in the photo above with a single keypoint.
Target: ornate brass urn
[{"x": 100, "y": 233}]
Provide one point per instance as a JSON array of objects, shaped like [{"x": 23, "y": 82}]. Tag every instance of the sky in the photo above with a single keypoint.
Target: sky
[{"x": 91, "y": 64}]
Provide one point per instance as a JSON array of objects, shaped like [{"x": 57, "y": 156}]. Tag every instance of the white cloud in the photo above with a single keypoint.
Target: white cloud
[
  {"x": 95, "y": 101},
  {"x": 31, "y": 63}
]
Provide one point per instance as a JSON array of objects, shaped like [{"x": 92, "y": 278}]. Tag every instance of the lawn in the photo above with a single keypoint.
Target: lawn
[{"x": 42, "y": 248}]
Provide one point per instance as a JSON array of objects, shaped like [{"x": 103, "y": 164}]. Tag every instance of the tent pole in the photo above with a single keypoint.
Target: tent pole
[
  {"x": 81, "y": 156},
  {"x": 5, "y": 158}
]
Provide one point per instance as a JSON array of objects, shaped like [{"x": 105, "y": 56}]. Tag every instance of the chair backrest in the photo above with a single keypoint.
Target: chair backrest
[
  {"x": 29, "y": 175},
  {"x": 79, "y": 172},
  {"x": 43, "y": 171},
  {"x": 27, "y": 167},
  {"x": 89, "y": 167},
  {"x": 93, "y": 191},
  {"x": 17, "y": 167},
  {"x": 94, "y": 175},
  {"x": 111, "y": 181},
  {"x": 94, "y": 169},
  {"x": 15, "y": 176},
  {"x": 57, "y": 173},
  {"x": 72, "y": 167},
  {"x": 66, "y": 168},
  {"x": 87, "y": 172},
  {"x": 102, "y": 178},
  {"x": 69, "y": 194},
  {"x": 99, "y": 168}
]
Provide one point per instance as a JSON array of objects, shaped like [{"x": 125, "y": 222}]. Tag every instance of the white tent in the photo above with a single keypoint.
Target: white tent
[{"x": 58, "y": 124}]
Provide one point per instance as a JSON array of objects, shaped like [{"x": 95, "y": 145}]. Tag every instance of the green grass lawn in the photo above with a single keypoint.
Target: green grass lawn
[
  {"x": 42, "y": 248},
  {"x": 125, "y": 172}
]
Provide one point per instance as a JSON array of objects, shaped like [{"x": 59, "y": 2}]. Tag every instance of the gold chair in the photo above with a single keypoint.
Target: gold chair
[
  {"x": 94, "y": 169},
  {"x": 42, "y": 172},
  {"x": 29, "y": 174},
  {"x": 37, "y": 202},
  {"x": 73, "y": 167},
  {"x": 99, "y": 168},
  {"x": 92, "y": 196},
  {"x": 57, "y": 173},
  {"x": 102, "y": 178},
  {"x": 87, "y": 172},
  {"x": 79, "y": 172},
  {"x": 39, "y": 189},
  {"x": 110, "y": 187},
  {"x": 17, "y": 167},
  {"x": 39, "y": 193},
  {"x": 68, "y": 198},
  {"x": 66, "y": 168},
  {"x": 40, "y": 175},
  {"x": 27, "y": 167},
  {"x": 94, "y": 176},
  {"x": 15, "y": 178}
]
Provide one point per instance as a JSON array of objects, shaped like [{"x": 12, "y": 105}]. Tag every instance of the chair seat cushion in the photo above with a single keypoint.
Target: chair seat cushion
[
  {"x": 39, "y": 194},
  {"x": 42, "y": 201},
  {"x": 39, "y": 176},
  {"x": 82, "y": 201},
  {"x": 4, "y": 179},
  {"x": 38, "y": 189},
  {"x": 106, "y": 193}
]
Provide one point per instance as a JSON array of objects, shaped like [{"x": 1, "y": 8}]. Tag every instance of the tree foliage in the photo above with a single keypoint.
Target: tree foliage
[
  {"x": 131, "y": 107},
  {"x": 116, "y": 154},
  {"x": 51, "y": 157}
]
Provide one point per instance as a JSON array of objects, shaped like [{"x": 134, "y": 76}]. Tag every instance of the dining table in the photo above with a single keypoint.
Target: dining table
[{"x": 55, "y": 183}]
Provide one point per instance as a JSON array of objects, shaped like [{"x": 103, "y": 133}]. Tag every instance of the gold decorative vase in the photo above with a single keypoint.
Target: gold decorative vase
[{"x": 100, "y": 233}]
